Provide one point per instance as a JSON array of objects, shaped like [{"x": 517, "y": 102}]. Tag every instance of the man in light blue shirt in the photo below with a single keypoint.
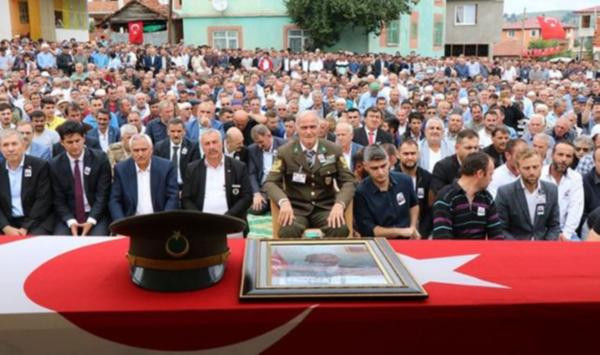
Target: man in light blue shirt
[
  {"x": 369, "y": 99},
  {"x": 100, "y": 58},
  {"x": 45, "y": 59}
]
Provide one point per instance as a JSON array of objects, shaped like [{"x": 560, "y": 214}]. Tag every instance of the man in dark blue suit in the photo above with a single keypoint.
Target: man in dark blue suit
[
  {"x": 143, "y": 183},
  {"x": 178, "y": 149},
  {"x": 152, "y": 61},
  {"x": 104, "y": 133},
  {"x": 157, "y": 129},
  {"x": 261, "y": 155},
  {"x": 81, "y": 184}
]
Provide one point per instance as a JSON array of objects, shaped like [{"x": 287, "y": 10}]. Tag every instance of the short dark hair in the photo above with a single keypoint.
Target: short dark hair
[
  {"x": 500, "y": 128},
  {"x": 474, "y": 162},
  {"x": 409, "y": 141},
  {"x": 5, "y": 106},
  {"x": 393, "y": 123},
  {"x": 415, "y": 116},
  {"x": 389, "y": 148},
  {"x": 354, "y": 110},
  {"x": 374, "y": 152},
  {"x": 70, "y": 127},
  {"x": 47, "y": 101},
  {"x": 374, "y": 109},
  {"x": 466, "y": 134},
  {"x": 104, "y": 112},
  {"x": 36, "y": 114},
  {"x": 562, "y": 141},
  {"x": 175, "y": 121},
  {"x": 72, "y": 107}
]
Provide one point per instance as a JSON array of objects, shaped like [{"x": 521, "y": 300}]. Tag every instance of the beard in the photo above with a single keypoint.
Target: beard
[{"x": 409, "y": 165}]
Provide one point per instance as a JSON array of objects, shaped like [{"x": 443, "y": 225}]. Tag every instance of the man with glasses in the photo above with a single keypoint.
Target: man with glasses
[{"x": 584, "y": 147}]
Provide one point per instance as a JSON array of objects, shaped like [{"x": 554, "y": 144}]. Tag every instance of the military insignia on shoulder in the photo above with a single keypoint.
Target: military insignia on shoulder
[
  {"x": 276, "y": 166},
  {"x": 343, "y": 161},
  {"x": 177, "y": 245}
]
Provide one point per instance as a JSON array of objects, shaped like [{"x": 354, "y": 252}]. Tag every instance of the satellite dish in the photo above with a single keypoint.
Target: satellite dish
[{"x": 219, "y": 5}]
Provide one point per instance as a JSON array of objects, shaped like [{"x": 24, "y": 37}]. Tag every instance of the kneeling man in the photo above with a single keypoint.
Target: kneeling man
[{"x": 301, "y": 182}]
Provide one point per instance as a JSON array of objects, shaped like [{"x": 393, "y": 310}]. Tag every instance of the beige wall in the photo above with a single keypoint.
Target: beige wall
[{"x": 488, "y": 27}]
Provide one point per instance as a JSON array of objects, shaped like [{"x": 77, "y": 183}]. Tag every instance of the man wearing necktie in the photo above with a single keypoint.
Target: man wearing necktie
[
  {"x": 301, "y": 182},
  {"x": 178, "y": 149},
  {"x": 371, "y": 132},
  {"x": 81, "y": 185}
]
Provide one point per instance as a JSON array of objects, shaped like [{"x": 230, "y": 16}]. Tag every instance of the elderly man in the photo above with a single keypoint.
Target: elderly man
[
  {"x": 143, "y": 184},
  {"x": 302, "y": 179},
  {"x": 26, "y": 194},
  {"x": 528, "y": 207},
  {"x": 216, "y": 183},
  {"x": 455, "y": 125},
  {"x": 343, "y": 137},
  {"x": 433, "y": 148},
  {"x": 204, "y": 120},
  {"x": 375, "y": 216},
  {"x": 543, "y": 144},
  {"x": 261, "y": 155},
  {"x": 562, "y": 130},
  {"x": 119, "y": 151},
  {"x": 536, "y": 125}
]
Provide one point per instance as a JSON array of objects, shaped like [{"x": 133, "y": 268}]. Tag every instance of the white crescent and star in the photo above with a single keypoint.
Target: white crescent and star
[{"x": 22, "y": 313}]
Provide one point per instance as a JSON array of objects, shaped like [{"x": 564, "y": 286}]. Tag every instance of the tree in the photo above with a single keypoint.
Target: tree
[{"x": 326, "y": 19}]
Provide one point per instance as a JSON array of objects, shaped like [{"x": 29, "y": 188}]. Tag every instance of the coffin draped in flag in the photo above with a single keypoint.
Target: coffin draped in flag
[
  {"x": 551, "y": 28},
  {"x": 136, "y": 32}
]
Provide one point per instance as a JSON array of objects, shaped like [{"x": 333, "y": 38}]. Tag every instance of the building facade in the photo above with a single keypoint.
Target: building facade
[
  {"x": 589, "y": 30},
  {"x": 53, "y": 20},
  {"x": 472, "y": 27},
  {"x": 251, "y": 24}
]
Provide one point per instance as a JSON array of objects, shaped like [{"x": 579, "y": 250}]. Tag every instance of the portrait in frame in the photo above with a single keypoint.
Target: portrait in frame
[{"x": 325, "y": 268}]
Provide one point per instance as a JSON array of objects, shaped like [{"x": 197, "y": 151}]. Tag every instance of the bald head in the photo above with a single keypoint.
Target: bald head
[{"x": 240, "y": 119}]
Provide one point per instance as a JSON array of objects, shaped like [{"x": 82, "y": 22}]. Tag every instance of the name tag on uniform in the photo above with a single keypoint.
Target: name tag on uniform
[
  {"x": 27, "y": 173},
  {"x": 235, "y": 189},
  {"x": 541, "y": 199},
  {"x": 540, "y": 210},
  {"x": 86, "y": 170},
  {"x": 184, "y": 151},
  {"x": 480, "y": 211},
  {"x": 400, "y": 198},
  {"x": 299, "y": 178},
  {"x": 321, "y": 158},
  {"x": 420, "y": 192}
]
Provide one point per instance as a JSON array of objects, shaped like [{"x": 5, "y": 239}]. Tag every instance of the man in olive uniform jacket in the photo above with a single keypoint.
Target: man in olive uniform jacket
[{"x": 301, "y": 182}]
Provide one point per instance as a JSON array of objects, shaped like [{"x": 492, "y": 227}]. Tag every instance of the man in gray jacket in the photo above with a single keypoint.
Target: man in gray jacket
[{"x": 528, "y": 207}]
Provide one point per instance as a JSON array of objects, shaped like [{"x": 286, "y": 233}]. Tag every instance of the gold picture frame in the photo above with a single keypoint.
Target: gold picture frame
[{"x": 325, "y": 268}]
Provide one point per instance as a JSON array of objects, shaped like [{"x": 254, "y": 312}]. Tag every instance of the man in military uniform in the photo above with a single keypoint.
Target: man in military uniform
[
  {"x": 301, "y": 182},
  {"x": 119, "y": 151}
]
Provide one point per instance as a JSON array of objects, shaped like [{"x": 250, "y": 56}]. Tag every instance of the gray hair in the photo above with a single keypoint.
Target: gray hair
[
  {"x": 259, "y": 130},
  {"x": 544, "y": 137},
  {"x": 128, "y": 128},
  {"x": 434, "y": 119},
  {"x": 139, "y": 136},
  {"x": 374, "y": 152},
  {"x": 347, "y": 126},
  {"x": 541, "y": 117},
  {"x": 587, "y": 140},
  {"x": 210, "y": 131},
  {"x": 5, "y": 133}
]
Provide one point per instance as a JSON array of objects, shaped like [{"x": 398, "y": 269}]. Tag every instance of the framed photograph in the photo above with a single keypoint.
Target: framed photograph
[{"x": 325, "y": 268}]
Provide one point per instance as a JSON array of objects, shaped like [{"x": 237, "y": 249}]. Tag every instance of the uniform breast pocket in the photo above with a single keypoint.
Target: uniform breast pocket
[{"x": 328, "y": 174}]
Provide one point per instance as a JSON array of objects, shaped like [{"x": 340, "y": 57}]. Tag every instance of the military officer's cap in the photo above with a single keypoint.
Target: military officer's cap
[{"x": 177, "y": 250}]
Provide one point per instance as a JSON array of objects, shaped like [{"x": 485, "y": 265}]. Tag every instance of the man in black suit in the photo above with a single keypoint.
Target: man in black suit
[
  {"x": 261, "y": 156},
  {"x": 216, "y": 183},
  {"x": 177, "y": 149},
  {"x": 371, "y": 132},
  {"x": 25, "y": 192},
  {"x": 446, "y": 170},
  {"x": 81, "y": 184}
]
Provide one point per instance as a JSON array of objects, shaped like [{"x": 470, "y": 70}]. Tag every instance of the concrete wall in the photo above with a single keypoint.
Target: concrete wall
[
  {"x": 67, "y": 34},
  {"x": 5, "y": 28},
  {"x": 47, "y": 28},
  {"x": 235, "y": 8},
  {"x": 487, "y": 29}
]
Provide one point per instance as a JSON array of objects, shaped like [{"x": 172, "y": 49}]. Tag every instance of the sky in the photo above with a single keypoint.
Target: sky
[{"x": 516, "y": 6}]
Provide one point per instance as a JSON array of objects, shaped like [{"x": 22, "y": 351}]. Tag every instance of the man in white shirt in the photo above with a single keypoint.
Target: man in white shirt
[{"x": 570, "y": 188}]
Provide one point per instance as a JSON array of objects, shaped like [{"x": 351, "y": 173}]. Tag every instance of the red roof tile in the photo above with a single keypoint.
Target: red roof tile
[
  {"x": 530, "y": 24},
  {"x": 507, "y": 48},
  {"x": 588, "y": 10},
  {"x": 102, "y": 7}
]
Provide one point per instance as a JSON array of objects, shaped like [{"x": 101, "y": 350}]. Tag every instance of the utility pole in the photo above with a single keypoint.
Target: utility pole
[
  {"x": 523, "y": 31},
  {"x": 170, "y": 23}
]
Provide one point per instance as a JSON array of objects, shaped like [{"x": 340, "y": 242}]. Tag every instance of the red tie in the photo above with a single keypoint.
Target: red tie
[
  {"x": 371, "y": 137},
  {"x": 79, "y": 207}
]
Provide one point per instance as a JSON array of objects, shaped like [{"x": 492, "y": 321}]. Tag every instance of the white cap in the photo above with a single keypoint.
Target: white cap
[
  {"x": 45, "y": 74},
  {"x": 100, "y": 93},
  {"x": 463, "y": 101},
  {"x": 184, "y": 105}
]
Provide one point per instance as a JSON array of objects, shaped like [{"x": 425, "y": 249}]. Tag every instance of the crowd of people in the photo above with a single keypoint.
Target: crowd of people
[{"x": 414, "y": 147}]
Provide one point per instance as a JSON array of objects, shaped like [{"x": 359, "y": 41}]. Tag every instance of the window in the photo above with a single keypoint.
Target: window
[
  {"x": 392, "y": 35},
  {"x": 511, "y": 33},
  {"x": 466, "y": 15},
  {"x": 438, "y": 33},
  {"x": 586, "y": 21},
  {"x": 297, "y": 40},
  {"x": 23, "y": 12},
  {"x": 534, "y": 33},
  {"x": 58, "y": 19},
  {"x": 225, "y": 39}
]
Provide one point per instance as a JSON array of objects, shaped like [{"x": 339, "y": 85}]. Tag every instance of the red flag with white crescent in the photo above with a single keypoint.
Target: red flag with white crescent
[
  {"x": 136, "y": 32},
  {"x": 551, "y": 28}
]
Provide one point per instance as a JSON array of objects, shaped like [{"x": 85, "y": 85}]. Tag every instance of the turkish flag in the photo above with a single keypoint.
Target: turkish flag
[
  {"x": 551, "y": 28},
  {"x": 136, "y": 32}
]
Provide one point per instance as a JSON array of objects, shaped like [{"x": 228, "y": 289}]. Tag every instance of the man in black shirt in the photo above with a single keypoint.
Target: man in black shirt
[
  {"x": 446, "y": 170},
  {"x": 500, "y": 136}
]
